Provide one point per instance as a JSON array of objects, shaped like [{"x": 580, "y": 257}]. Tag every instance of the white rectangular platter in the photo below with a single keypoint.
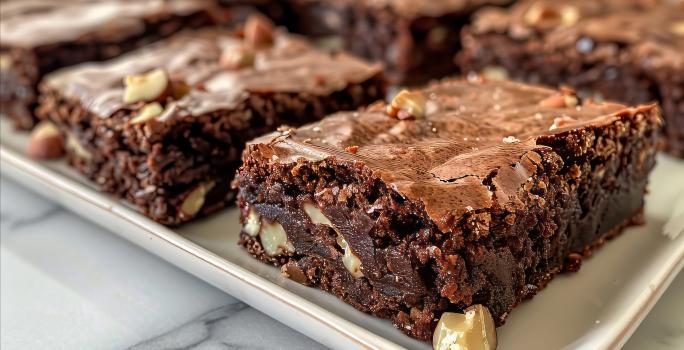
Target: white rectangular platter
[{"x": 597, "y": 308}]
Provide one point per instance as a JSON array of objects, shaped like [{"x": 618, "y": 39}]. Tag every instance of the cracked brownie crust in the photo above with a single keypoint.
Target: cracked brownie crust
[
  {"x": 483, "y": 201},
  {"x": 190, "y": 151}
]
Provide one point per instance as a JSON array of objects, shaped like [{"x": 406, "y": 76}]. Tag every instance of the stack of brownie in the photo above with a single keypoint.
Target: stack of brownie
[{"x": 463, "y": 192}]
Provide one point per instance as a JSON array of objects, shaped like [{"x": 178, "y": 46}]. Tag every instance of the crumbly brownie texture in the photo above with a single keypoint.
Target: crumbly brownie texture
[
  {"x": 41, "y": 36},
  {"x": 190, "y": 148},
  {"x": 416, "y": 41},
  {"x": 498, "y": 188},
  {"x": 629, "y": 51}
]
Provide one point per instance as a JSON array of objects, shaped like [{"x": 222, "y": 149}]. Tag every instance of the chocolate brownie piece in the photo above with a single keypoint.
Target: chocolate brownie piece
[
  {"x": 629, "y": 51},
  {"x": 169, "y": 138},
  {"x": 40, "y": 36},
  {"x": 466, "y": 192},
  {"x": 415, "y": 40}
]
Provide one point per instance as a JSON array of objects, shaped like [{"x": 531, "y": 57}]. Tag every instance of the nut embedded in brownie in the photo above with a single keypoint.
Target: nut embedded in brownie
[
  {"x": 41, "y": 36},
  {"x": 164, "y": 126},
  {"x": 478, "y": 199},
  {"x": 628, "y": 51}
]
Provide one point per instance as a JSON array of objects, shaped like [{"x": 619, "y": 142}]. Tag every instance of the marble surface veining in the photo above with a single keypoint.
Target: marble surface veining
[{"x": 67, "y": 284}]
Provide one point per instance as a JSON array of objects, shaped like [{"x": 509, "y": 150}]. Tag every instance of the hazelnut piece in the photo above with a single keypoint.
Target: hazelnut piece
[
  {"x": 350, "y": 260},
  {"x": 495, "y": 73},
  {"x": 236, "y": 57},
  {"x": 46, "y": 142},
  {"x": 5, "y": 61},
  {"x": 678, "y": 28},
  {"x": 547, "y": 16},
  {"x": 148, "y": 112},
  {"x": 562, "y": 122},
  {"x": 145, "y": 87},
  {"x": 73, "y": 145},
  {"x": 407, "y": 105},
  {"x": 567, "y": 98},
  {"x": 252, "y": 223},
  {"x": 194, "y": 202},
  {"x": 179, "y": 89},
  {"x": 274, "y": 239},
  {"x": 259, "y": 31},
  {"x": 292, "y": 271},
  {"x": 473, "y": 330}
]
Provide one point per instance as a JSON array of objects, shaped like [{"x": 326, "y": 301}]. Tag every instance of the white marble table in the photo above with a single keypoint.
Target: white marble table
[{"x": 67, "y": 284}]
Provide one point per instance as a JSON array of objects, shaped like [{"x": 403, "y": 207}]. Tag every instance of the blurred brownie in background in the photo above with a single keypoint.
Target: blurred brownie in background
[
  {"x": 416, "y": 40},
  {"x": 164, "y": 126},
  {"x": 626, "y": 50},
  {"x": 40, "y": 36}
]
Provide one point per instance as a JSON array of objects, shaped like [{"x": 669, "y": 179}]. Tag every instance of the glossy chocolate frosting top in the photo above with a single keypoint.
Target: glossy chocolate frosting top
[
  {"x": 650, "y": 31},
  {"x": 31, "y": 23},
  {"x": 290, "y": 65},
  {"x": 472, "y": 130}
]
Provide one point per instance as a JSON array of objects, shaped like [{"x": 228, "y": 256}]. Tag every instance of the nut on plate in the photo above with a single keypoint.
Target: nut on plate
[
  {"x": 472, "y": 330},
  {"x": 46, "y": 142},
  {"x": 145, "y": 87},
  {"x": 259, "y": 31},
  {"x": 407, "y": 105}
]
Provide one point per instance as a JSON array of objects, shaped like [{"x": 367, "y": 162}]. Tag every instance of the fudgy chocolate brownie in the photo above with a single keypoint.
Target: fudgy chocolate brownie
[
  {"x": 40, "y": 36},
  {"x": 164, "y": 126},
  {"x": 629, "y": 51},
  {"x": 466, "y": 192},
  {"x": 416, "y": 40}
]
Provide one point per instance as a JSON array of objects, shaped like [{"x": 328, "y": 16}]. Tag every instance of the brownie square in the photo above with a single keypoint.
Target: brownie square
[
  {"x": 466, "y": 192},
  {"x": 164, "y": 126},
  {"x": 629, "y": 51},
  {"x": 41, "y": 36}
]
